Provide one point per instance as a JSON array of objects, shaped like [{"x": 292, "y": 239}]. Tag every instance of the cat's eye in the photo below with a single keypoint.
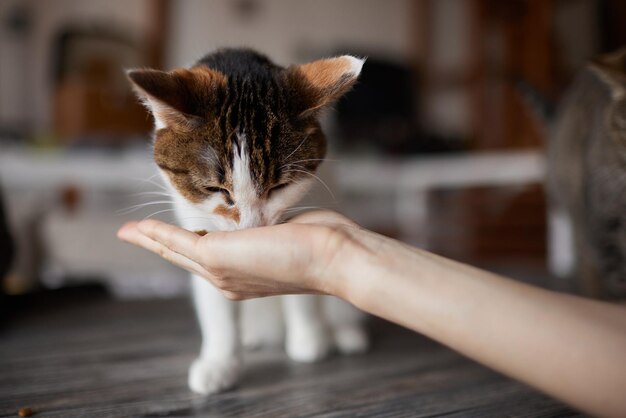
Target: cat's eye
[
  {"x": 277, "y": 188},
  {"x": 212, "y": 189},
  {"x": 223, "y": 191}
]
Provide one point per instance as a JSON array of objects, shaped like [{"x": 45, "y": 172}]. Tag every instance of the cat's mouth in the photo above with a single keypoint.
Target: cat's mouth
[
  {"x": 256, "y": 224},
  {"x": 246, "y": 220}
]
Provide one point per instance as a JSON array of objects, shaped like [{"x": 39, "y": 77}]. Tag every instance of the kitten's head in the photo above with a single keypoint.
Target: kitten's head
[{"x": 237, "y": 136}]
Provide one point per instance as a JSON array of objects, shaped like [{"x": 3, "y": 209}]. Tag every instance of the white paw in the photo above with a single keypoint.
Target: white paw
[
  {"x": 351, "y": 339},
  {"x": 308, "y": 344},
  {"x": 213, "y": 376}
]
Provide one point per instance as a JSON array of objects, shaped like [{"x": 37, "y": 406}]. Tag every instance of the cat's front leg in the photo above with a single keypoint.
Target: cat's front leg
[
  {"x": 218, "y": 366},
  {"x": 308, "y": 339}
]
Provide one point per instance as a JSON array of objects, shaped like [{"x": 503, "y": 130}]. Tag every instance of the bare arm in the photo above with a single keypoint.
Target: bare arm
[{"x": 571, "y": 348}]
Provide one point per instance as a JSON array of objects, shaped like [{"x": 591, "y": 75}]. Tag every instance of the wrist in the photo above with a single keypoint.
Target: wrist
[
  {"x": 335, "y": 257},
  {"x": 353, "y": 262},
  {"x": 376, "y": 271}
]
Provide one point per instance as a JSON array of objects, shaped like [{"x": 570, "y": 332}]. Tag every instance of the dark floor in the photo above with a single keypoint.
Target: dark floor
[{"x": 88, "y": 356}]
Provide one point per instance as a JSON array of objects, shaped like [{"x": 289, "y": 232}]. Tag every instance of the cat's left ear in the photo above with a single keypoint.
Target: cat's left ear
[
  {"x": 179, "y": 97},
  {"x": 320, "y": 83}
]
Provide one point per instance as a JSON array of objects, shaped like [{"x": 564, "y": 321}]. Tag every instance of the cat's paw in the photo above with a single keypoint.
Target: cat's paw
[
  {"x": 308, "y": 344},
  {"x": 212, "y": 376},
  {"x": 351, "y": 339}
]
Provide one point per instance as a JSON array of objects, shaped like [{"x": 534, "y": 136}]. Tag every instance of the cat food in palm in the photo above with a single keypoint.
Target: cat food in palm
[{"x": 201, "y": 232}]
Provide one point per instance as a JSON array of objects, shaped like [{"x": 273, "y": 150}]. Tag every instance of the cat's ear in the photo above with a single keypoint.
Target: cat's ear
[
  {"x": 611, "y": 69},
  {"x": 178, "y": 97},
  {"x": 320, "y": 83}
]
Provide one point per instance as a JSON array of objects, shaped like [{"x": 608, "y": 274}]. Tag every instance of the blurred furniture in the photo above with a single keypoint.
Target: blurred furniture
[
  {"x": 65, "y": 208},
  {"x": 511, "y": 41},
  {"x": 503, "y": 43},
  {"x": 92, "y": 99},
  {"x": 540, "y": 43},
  {"x": 409, "y": 180}
]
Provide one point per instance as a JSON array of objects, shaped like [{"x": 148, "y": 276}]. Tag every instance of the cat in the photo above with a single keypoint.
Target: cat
[
  {"x": 587, "y": 180},
  {"x": 237, "y": 140}
]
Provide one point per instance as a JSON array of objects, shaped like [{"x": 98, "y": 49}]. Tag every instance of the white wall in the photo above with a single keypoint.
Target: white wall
[{"x": 291, "y": 30}]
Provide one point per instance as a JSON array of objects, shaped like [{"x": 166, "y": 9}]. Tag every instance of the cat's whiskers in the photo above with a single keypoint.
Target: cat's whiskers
[
  {"x": 160, "y": 186},
  {"x": 297, "y": 208},
  {"x": 146, "y": 179},
  {"x": 150, "y": 181},
  {"x": 298, "y": 164},
  {"x": 306, "y": 189},
  {"x": 158, "y": 212},
  {"x": 310, "y": 159},
  {"x": 134, "y": 208},
  {"x": 315, "y": 177},
  {"x": 298, "y": 147},
  {"x": 151, "y": 193}
]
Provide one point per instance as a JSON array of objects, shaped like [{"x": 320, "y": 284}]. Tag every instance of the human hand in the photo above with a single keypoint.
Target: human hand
[{"x": 296, "y": 257}]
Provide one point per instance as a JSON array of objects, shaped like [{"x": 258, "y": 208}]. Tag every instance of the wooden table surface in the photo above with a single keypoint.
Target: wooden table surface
[{"x": 85, "y": 355}]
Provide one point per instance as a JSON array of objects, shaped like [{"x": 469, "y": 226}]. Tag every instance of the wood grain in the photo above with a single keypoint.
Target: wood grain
[{"x": 89, "y": 356}]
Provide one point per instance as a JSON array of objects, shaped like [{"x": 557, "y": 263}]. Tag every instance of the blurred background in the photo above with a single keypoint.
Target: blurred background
[{"x": 438, "y": 145}]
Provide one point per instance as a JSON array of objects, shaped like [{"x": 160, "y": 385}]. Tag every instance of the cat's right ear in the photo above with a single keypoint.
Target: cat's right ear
[
  {"x": 320, "y": 83},
  {"x": 178, "y": 97}
]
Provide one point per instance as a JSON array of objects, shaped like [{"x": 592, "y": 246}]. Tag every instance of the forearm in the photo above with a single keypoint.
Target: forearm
[{"x": 569, "y": 347}]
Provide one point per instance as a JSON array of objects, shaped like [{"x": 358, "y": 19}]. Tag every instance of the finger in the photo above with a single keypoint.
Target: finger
[
  {"x": 127, "y": 231},
  {"x": 176, "y": 239},
  {"x": 322, "y": 216},
  {"x": 130, "y": 233},
  {"x": 171, "y": 256}
]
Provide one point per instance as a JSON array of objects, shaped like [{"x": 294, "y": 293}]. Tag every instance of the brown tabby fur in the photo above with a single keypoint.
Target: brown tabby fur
[
  {"x": 587, "y": 173},
  {"x": 234, "y": 92}
]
